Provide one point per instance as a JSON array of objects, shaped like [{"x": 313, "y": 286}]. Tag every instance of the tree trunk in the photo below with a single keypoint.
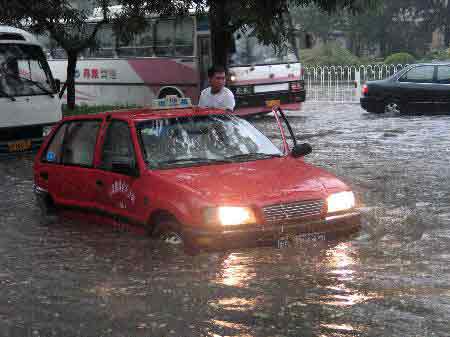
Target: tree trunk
[
  {"x": 447, "y": 35},
  {"x": 292, "y": 36},
  {"x": 447, "y": 26},
  {"x": 220, "y": 37},
  {"x": 70, "y": 81}
]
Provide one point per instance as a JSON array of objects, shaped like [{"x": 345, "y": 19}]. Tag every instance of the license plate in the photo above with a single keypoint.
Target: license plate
[
  {"x": 20, "y": 145},
  {"x": 273, "y": 102},
  {"x": 296, "y": 239}
]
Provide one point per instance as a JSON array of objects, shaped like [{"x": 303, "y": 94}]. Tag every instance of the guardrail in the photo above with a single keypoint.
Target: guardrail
[{"x": 342, "y": 84}]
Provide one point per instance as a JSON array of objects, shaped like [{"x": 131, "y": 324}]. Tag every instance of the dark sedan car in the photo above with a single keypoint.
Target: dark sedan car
[{"x": 419, "y": 88}]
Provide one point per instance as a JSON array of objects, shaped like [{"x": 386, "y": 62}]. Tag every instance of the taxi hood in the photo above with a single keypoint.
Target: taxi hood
[{"x": 258, "y": 182}]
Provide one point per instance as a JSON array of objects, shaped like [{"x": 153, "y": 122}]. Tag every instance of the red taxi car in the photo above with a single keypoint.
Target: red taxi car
[{"x": 196, "y": 176}]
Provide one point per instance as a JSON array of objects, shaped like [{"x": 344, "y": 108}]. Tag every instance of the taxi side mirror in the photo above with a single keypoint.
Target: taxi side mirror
[
  {"x": 124, "y": 167},
  {"x": 301, "y": 150}
]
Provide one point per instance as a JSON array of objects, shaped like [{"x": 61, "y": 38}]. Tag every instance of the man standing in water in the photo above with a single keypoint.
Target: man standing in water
[{"x": 217, "y": 95}]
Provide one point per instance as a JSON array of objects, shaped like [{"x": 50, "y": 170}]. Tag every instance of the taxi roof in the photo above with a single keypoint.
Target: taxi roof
[{"x": 143, "y": 114}]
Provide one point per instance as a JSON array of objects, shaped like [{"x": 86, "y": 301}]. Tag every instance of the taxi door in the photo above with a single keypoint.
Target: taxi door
[
  {"x": 117, "y": 176},
  {"x": 67, "y": 164}
]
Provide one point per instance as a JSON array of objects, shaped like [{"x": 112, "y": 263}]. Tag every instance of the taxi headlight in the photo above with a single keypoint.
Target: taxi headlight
[
  {"x": 341, "y": 201},
  {"x": 230, "y": 216}
]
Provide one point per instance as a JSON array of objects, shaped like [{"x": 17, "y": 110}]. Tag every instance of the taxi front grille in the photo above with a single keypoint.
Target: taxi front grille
[{"x": 292, "y": 211}]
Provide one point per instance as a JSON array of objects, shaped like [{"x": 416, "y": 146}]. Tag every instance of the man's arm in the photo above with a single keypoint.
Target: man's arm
[{"x": 229, "y": 101}]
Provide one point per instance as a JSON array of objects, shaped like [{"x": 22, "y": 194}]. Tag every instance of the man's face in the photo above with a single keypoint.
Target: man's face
[{"x": 217, "y": 81}]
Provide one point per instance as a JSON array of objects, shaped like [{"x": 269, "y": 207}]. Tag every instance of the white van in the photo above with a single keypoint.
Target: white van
[{"x": 29, "y": 101}]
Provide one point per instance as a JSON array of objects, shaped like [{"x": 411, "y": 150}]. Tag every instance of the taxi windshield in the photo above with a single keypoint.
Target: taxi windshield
[
  {"x": 24, "y": 71},
  {"x": 202, "y": 140}
]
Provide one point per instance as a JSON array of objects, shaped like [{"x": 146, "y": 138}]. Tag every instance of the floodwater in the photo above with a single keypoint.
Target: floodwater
[{"x": 77, "y": 279}]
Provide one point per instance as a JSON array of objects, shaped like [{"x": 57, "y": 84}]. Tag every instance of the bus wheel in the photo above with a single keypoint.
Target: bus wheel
[{"x": 169, "y": 92}]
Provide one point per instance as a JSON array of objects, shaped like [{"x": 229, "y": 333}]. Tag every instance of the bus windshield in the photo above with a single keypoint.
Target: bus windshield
[
  {"x": 24, "y": 71},
  {"x": 249, "y": 51}
]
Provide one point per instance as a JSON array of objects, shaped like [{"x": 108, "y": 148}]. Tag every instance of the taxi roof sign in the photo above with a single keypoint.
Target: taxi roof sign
[{"x": 172, "y": 102}]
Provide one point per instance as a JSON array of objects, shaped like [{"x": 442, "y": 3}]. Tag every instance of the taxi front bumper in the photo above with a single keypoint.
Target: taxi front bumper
[{"x": 330, "y": 227}]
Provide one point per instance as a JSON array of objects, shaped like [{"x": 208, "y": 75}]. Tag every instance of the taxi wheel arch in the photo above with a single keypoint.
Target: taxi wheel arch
[
  {"x": 165, "y": 91},
  {"x": 392, "y": 105},
  {"x": 163, "y": 222},
  {"x": 156, "y": 218}
]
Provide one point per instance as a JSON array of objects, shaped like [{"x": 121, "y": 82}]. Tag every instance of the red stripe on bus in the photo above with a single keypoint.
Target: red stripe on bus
[{"x": 163, "y": 71}]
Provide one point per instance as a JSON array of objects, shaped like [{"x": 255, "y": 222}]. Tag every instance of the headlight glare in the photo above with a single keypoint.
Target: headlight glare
[
  {"x": 230, "y": 216},
  {"x": 341, "y": 201}
]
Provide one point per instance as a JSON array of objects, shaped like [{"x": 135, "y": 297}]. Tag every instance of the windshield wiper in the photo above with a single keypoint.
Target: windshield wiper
[
  {"x": 253, "y": 156},
  {"x": 4, "y": 93},
  {"x": 201, "y": 160},
  {"x": 36, "y": 83}
]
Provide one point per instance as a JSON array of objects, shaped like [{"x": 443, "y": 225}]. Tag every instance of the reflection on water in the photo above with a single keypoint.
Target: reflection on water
[
  {"x": 342, "y": 265},
  {"x": 237, "y": 303},
  {"x": 235, "y": 271},
  {"x": 340, "y": 261},
  {"x": 339, "y": 327},
  {"x": 242, "y": 328}
]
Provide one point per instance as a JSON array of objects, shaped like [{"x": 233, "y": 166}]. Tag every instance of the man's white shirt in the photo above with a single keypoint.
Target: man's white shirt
[{"x": 224, "y": 99}]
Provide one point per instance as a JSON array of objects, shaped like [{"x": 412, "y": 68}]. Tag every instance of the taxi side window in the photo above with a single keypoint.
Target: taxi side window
[
  {"x": 118, "y": 146},
  {"x": 79, "y": 142},
  {"x": 54, "y": 149}
]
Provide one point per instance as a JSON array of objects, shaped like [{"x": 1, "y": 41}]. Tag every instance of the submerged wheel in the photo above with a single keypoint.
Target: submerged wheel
[
  {"x": 170, "y": 233},
  {"x": 172, "y": 238},
  {"x": 392, "y": 106}
]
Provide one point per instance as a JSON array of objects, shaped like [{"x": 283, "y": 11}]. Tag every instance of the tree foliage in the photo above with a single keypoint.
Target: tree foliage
[
  {"x": 268, "y": 20},
  {"x": 390, "y": 27},
  {"x": 400, "y": 58},
  {"x": 328, "y": 54}
]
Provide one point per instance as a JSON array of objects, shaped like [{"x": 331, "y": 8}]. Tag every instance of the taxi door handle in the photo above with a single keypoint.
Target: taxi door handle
[
  {"x": 99, "y": 183},
  {"x": 44, "y": 175}
]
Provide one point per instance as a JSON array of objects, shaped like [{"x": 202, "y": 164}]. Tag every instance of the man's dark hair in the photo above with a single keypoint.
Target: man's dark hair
[{"x": 215, "y": 69}]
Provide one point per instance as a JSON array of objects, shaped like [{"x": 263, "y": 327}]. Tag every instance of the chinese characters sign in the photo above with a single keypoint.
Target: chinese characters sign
[{"x": 96, "y": 74}]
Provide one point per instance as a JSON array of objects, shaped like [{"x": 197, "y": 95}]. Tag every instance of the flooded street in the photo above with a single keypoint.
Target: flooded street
[{"x": 392, "y": 279}]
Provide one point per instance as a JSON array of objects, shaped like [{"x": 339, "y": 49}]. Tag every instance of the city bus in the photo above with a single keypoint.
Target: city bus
[
  {"x": 171, "y": 57},
  {"x": 29, "y": 103}
]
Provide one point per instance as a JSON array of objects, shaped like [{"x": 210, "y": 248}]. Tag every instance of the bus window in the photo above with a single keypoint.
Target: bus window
[
  {"x": 184, "y": 37},
  {"x": 164, "y": 39},
  {"x": 105, "y": 42},
  {"x": 174, "y": 37},
  {"x": 144, "y": 41}
]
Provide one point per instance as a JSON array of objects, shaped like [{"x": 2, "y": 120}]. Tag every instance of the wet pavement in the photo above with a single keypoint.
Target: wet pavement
[{"x": 393, "y": 279}]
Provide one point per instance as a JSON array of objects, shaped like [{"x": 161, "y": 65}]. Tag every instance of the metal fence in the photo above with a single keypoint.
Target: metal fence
[{"x": 342, "y": 84}]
